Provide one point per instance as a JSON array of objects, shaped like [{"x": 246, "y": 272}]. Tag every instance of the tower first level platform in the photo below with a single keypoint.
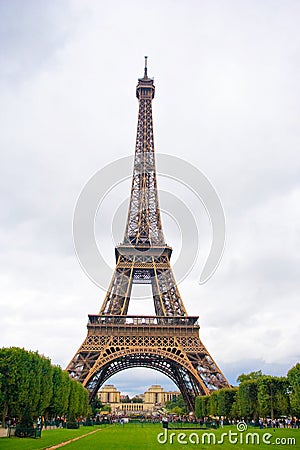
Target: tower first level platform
[{"x": 170, "y": 345}]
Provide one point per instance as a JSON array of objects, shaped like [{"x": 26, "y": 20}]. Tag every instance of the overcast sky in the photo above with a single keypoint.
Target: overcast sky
[{"x": 227, "y": 100}]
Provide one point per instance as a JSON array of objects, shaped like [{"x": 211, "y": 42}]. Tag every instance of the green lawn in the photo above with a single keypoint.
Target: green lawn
[
  {"x": 138, "y": 437},
  {"x": 49, "y": 438}
]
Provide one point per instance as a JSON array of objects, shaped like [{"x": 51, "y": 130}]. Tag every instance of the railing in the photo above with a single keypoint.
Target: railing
[{"x": 143, "y": 320}]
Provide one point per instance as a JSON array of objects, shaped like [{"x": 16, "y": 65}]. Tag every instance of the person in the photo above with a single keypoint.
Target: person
[{"x": 165, "y": 422}]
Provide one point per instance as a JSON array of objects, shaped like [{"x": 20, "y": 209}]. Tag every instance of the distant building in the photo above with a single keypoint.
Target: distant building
[
  {"x": 154, "y": 398},
  {"x": 109, "y": 394},
  {"x": 131, "y": 408},
  {"x": 156, "y": 394}
]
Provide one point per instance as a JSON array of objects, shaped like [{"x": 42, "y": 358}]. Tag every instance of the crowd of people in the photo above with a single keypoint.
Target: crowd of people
[
  {"x": 214, "y": 422},
  {"x": 284, "y": 422}
]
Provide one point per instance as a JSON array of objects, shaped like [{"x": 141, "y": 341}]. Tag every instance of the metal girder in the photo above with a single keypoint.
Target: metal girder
[{"x": 144, "y": 222}]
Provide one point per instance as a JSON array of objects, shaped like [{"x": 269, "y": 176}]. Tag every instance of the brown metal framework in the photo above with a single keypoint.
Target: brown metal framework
[{"x": 169, "y": 341}]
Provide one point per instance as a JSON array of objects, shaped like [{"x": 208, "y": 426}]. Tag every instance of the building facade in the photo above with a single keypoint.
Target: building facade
[
  {"x": 157, "y": 395},
  {"x": 153, "y": 399},
  {"x": 109, "y": 394}
]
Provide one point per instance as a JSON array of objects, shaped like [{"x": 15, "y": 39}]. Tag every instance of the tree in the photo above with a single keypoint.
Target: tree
[
  {"x": 249, "y": 376},
  {"x": 46, "y": 385},
  {"x": 73, "y": 406},
  {"x": 293, "y": 377},
  {"x": 55, "y": 407},
  {"x": 66, "y": 387},
  {"x": 136, "y": 400},
  {"x": 282, "y": 399},
  {"x": 30, "y": 386},
  {"x": 226, "y": 399},
  {"x": 177, "y": 410},
  {"x": 14, "y": 363},
  {"x": 247, "y": 400},
  {"x": 106, "y": 408},
  {"x": 1, "y": 395},
  {"x": 60, "y": 392},
  {"x": 78, "y": 400},
  {"x": 33, "y": 370},
  {"x": 96, "y": 406},
  {"x": 84, "y": 407},
  {"x": 177, "y": 402},
  {"x": 201, "y": 406},
  {"x": 213, "y": 404},
  {"x": 273, "y": 396}
]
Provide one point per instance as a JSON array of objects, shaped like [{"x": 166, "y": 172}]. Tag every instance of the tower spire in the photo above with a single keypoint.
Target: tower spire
[{"x": 145, "y": 69}]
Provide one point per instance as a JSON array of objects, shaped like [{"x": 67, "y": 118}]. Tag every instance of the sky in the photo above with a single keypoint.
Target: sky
[{"x": 227, "y": 101}]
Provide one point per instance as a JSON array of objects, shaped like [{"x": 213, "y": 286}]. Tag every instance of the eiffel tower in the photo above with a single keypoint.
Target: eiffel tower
[{"x": 168, "y": 342}]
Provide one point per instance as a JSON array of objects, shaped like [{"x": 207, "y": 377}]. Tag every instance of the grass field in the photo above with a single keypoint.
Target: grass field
[{"x": 138, "y": 437}]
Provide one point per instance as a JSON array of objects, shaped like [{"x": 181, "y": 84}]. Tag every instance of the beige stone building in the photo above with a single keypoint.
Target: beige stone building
[
  {"x": 109, "y": 394},
  {"x": 157, "y": 395},
  {"x": 131, "y": 408},
  {"x": 154, "y": 398}
]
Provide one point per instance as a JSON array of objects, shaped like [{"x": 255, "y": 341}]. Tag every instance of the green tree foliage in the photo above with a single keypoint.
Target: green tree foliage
[
  {"x": 1, "y": 393},
  {"x": 46, "y": 390},
  {"x": 66, "y": 387},
  {"x": 272, "y": 396},
  {"x": 30, "y": 386},
  {"x": 249, "y": 376},
  {"x": 177, "y": 410},
  {"x": 219, "y": 403},
  {"x": 86, "y": 404},
  {"x": 96, "y": 406},
  {"x": 15, "y": 381},
  {"x": 38, "y": 373},
  {"x": 176, "y": 403},
  {"x": 106, "y": 408},
  {"x": 257, "y": 395},
  {"x": 73, "y": 403},
  {"x": 213, "y": 404},
  {"x": 247, "y": 400},
  {"x": 60, "y": 392},
  {"x": 293, "y": 377},
  {"x": 226, "y": 401},
  {"x": 78, "y": 401},
  {"x": 136, "y": 400},
  {"x": 201, "y": 406}
]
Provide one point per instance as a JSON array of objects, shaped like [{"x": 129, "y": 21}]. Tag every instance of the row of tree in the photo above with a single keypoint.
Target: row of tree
[
  {"x": 30, "y": 385},
  {"x": 256, "y": 396}
]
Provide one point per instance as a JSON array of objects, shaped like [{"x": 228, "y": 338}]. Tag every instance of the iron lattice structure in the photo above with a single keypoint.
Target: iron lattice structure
[{"x": 169, "y": 341}]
